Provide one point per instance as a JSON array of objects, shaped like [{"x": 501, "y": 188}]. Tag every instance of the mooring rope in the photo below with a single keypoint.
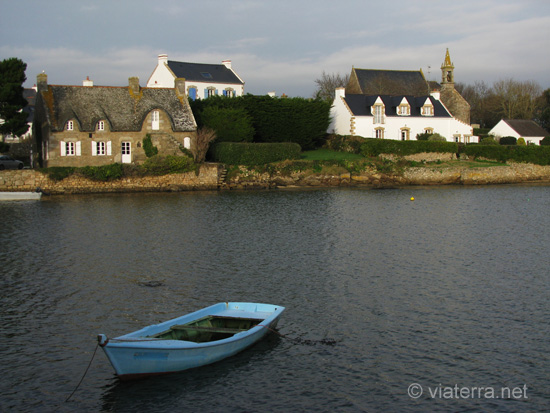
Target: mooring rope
[
  {"x": 84, "y": 375},
  {"x": 325, "y": 341}
]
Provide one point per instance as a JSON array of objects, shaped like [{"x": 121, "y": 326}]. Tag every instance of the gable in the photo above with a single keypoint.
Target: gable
[
  {"x": 203, "y": 72},
  {"x": 123, "y": 110}
]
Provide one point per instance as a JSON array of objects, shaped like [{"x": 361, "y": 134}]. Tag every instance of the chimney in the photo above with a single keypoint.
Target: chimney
[
  {"x": 88, "y": 82},
  {"x": 436, "y": 94},
  {"x": 179, "y": 85},
  {"x": 340, "y": 92},
  {"x": 133, "y": 84},
  {"x": 163, "y": 58},
  {"x": 42, "y": 82},
  {"x": 227, "y": 63},
  {"x": 271, "y": 94}
]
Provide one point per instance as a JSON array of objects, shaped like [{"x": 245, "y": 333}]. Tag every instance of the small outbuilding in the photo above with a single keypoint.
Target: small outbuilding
[{"x": 532, "y": 133}]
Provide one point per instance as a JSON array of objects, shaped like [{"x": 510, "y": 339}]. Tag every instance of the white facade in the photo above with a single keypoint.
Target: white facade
[
  {"x": 403, "y": 125},
  {"x": 201, "y": 80}
]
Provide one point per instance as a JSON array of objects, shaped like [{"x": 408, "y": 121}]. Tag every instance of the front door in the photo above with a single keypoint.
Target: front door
[{"x": 126, "y": 151}]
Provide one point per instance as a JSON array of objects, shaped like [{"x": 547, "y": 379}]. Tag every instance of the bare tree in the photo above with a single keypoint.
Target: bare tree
[
  {"x": 327, "y": 84},
  {"x": 517, "y": 99},
  {"x": 205, "y": 136}
]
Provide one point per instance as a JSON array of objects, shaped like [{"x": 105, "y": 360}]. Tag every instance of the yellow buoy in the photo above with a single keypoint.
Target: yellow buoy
[{"x": 412, "y": 198}]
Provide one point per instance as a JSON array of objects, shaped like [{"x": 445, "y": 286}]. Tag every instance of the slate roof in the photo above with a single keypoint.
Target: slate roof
[
  {"x": 526, "y": 128},
  {"x": 116, "y": 105},
  {"x": 204, "y": 72},
  {"x": 391, "y": 82},
  {"x": 360, "y": 105}
]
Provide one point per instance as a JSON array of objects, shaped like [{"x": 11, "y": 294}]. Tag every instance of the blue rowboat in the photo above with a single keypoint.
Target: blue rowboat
[{"x": 189, "y": 341}]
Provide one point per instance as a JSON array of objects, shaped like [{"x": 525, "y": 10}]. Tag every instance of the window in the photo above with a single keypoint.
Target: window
[
  {"x": 70, "y": 148},
  {"x": 210, "y": 92},
  {"x": 379, "y": 133},
  {"x": 405, "y": 134},
  {"x": 229, "y": 93},
  {"x": 429, "y": 130},
  {"x": 378, "y": 113},
  {"x": 101, "y": 148},
  {"x": 155, "y": 120},
  {"x": 404, "y": 110},
  {"x": 192, "y": 92},
  {"x": 206, "y": 75},
  {"x": 427, "y": 110},
  {"x": 70, "y": 125},
  {"x": 101, "y": 125}
]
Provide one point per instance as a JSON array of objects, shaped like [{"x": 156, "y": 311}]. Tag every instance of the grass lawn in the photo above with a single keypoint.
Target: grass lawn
[{"x": 328, "y": 155}]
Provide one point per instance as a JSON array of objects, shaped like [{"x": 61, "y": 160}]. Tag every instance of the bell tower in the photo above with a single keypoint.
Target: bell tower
[{"x": 447, "y": 71}]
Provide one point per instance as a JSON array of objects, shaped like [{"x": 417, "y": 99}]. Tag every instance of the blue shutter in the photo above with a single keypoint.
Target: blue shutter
[
  {"x": 193, "y": 93},
  {"x": 205, "y": 93},
  {"x": 225, "y": 93}
]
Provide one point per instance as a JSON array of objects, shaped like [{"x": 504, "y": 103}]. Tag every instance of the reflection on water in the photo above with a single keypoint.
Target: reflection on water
[{"x": 448, "y": 289}]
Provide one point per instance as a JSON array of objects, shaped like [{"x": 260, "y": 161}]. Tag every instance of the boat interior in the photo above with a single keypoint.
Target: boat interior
[{"x": 210, "y": 328}]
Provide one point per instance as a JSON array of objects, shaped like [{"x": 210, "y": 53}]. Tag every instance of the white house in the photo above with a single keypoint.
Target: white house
[
  {"x": 518, "y": 128},
  {"x": 201, "y": 79},
  {"x": 394, "y": 117}
]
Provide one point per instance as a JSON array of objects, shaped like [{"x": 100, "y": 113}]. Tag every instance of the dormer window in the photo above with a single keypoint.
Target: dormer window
[
  {"x": 404, "y": 109},
  {"x": 101, "y": 125},
  {"x": 377, "y": 111},
  {"x": 70, "y": 125},
  {"x": 427, "y": 110}
]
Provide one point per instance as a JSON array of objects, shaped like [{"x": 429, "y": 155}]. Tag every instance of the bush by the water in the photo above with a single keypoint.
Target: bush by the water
[
  {"x": 103, "y": 173},
  {"x": 344, "y": 143},
  {"x": 539, "y": 155},
  {"x": 508, "y": 140},
  {"x": 253, "y": 153},
  {"x": 170, "y": 164},
  {"x": 375, "y": 147}
]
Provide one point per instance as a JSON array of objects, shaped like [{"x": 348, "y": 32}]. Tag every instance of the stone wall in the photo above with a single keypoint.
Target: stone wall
[{"x": 30, "y": 180}]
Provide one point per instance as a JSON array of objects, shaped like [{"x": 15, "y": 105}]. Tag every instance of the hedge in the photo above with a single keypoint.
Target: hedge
[
  {"x": 233, "y": 153},
  {"x": 539, "y": 155},
  {"x": 375, "y": 147}
]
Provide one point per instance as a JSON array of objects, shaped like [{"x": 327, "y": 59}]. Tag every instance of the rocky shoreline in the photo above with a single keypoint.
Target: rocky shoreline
[
  {"x": 213, "y": 177},
  {"x": 413, "y": 176}
]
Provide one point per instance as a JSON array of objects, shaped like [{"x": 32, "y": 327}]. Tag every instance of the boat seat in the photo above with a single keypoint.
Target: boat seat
[{"x": 209, "y": 329}]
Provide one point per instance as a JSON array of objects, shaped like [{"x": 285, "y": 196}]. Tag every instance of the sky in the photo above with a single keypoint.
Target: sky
[{"x": 281, "y": 46}]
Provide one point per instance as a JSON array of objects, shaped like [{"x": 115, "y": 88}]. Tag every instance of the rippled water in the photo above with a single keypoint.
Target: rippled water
[{"x": 449, "y": 290}]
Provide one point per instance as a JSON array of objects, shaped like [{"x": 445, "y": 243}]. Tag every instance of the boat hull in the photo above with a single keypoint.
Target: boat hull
[
  {"x": 19, "y": 196},
  {"x": 139, "y": 354}
]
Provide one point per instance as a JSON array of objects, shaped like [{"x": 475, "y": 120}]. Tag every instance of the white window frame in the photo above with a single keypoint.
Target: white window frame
[
  {"x": 404, "y": 110},
  {"x": 378, "y": 113},
  {"x": 70, "y": 148},
  {"x": 70, "y": 125},
  {"x": 101, "y": 148},
  {"x": 101, "y": 125},
  {"x": 427, "y": 110},
  {"x": 379, "y": 133}
]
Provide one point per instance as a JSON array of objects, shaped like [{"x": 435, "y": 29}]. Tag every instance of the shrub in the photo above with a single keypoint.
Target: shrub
[
  {"x": 170, "y": 164},
  {"x": 253, "y": 153},
  {"x": 148, "y": 147},
  {"x": 103, "y": 173},
  {"x": 488, "y": 141},
  {"x": 436, "y": 137},
  {"x": 508, "y": 140},
  {"x": 545, "y": 141},
  {"x": 230, "y": 124},
  {"x": 375, "y": 147},
  {"x": 521, "y": 142},
  {"x": 58, "y": 173},
  {"x": 342, "y": 143},
  {"x": 423, "y": 136},
  {"x": 528, "y": 154}
]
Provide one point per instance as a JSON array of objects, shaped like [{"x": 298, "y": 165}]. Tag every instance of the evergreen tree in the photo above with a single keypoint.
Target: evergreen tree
[{"x": 12, "y": 76}]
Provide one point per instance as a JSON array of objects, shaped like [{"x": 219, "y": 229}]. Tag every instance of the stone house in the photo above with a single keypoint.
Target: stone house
[
  {"x": 201, "y": 79},
  {"x": 100, "y": 125},
  {"x": 519, "y": 128}
]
